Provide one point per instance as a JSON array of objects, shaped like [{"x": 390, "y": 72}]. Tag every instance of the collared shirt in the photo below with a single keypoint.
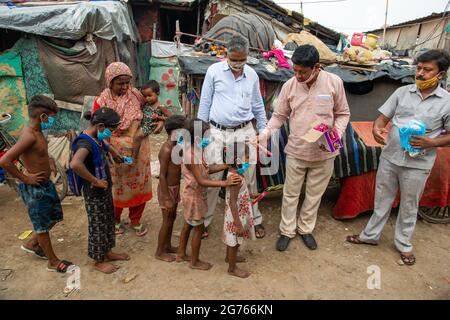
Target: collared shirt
[
  {"x": 229, "y": 101},
  {"x": 324, "y": 102},
  {"x": 407, "y": 104}
]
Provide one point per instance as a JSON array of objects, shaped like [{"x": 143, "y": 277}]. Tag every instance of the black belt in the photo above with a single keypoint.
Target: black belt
[{"x": 221, "y": 127}]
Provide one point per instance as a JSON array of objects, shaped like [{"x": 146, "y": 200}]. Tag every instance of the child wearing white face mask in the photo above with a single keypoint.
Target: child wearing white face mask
[{"x": 196, "y": 177}]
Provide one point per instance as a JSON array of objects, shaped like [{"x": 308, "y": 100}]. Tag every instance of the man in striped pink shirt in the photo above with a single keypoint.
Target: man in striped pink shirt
[{"x": 311, "y": 96}]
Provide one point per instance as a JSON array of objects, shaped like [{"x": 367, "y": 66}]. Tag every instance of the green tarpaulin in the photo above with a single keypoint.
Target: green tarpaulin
[
  {"x": 12, "y": 91},
  {"x": 165, "y": 71}
]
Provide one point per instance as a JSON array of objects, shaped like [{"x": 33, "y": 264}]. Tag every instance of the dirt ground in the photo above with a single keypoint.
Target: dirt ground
[{"x": 337, "y": 270}]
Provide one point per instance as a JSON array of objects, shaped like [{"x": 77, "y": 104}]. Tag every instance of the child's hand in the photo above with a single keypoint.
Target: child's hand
[
  {"x": 159, "y": 127},
  {"x": 233, "y": 180},
  {"x": 102, "y": 184},
  {"x": 239, "y": 229},
  {"x": 254, "y": 196},
  {"x": 34, "y": 178}
]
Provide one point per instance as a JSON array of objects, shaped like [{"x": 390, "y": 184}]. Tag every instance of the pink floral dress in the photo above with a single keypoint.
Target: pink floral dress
[{"x": 244, "y": 206}]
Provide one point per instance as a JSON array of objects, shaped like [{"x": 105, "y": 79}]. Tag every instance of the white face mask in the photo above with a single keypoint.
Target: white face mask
[
  {"x": 314, "y": 73},
  {"x": 236, "y": 66}
]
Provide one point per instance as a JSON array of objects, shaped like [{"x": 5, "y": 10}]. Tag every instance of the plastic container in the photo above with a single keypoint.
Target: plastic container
[
  {"x": 371, "y": 41},
  {"x": 357, "y": 39}
]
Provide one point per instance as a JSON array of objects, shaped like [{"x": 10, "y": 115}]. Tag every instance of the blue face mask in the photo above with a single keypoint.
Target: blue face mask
[
  {"x": 204, "y": 143},
  {"x": 242, "y": 168},
  {"x": 106, "y": 134},
  {"x": 49, "y": 124},
  {"x": 180, "y": 139}
]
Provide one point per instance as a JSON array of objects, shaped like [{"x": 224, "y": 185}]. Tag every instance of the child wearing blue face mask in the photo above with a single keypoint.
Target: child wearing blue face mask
[
  {"x": 36, "y": 189},
  {"x": 238, "y": 219},
  {"x": 89, "y": 162},
  {"x": 196, "y": 181}
]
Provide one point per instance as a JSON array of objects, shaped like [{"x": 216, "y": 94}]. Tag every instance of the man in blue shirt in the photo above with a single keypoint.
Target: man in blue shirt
[{"x": 230, "y": 100}]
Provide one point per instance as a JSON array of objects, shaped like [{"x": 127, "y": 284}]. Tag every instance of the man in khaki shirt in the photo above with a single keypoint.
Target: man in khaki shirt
[{"x": 312, "y": 95}]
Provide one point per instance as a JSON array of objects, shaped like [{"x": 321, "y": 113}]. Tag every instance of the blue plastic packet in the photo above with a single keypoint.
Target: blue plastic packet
[
  {"x": 413, "y": 128},
  {"x": 128, "y": 160}
]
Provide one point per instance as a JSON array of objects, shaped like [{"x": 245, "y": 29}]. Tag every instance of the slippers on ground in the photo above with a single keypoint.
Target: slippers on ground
[
  {"x": 38, "y": 252},
  {"x": 62, "y": 266},
  {"x": 356, "y": 240},
  {"x": 409, "y": 260},
  {"x": 119, "y": 229},
  {"x": 140, "y": 229},
  {"x": 260, "y": 232}
]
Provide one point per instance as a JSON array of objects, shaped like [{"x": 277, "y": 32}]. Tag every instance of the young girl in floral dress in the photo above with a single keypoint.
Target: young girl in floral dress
[{"x": 238, "y": 219}]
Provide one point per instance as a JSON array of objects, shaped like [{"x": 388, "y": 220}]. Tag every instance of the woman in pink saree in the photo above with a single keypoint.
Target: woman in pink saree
[{"x": 132, "y": 186}]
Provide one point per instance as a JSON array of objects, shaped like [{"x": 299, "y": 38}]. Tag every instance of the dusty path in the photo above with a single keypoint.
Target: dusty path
[{"x": 336, "y": 270}]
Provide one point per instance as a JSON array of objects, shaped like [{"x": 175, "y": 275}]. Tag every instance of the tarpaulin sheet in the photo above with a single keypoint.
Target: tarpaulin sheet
[
  {"x": 105, "y": 19},
  {"x": 12, "y": 91},
  {"x": 165, "y": 72},
  {"x": 259, "y": 33},
  {"x": 406, "y": 75},
  {"x": 75, "y": 74},
  {"x": 199, "y": 66}
]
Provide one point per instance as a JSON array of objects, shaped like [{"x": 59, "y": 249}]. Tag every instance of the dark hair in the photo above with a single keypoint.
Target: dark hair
[
  {"x": 306, "y": 55},
  {"x": 441, "y": 57},
  {"x": 41, "y": 104},
  {"x": 174, "y": 122},
  {"x": 233, "y": 151},
  {"x": 190, "y": 127},
  {"x": 152, "y": 85},
  {"x": 104, "y": 115}
]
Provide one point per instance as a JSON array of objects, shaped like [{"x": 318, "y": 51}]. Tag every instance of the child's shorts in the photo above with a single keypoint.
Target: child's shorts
[
  {"x": 44, "y": 206},
  {"x": 174, "y": 192}
]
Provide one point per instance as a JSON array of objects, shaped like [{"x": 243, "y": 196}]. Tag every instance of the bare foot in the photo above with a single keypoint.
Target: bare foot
[
  {"x": 172, "y": 249},
  {"x": 106, "y": 267},
  {"x": 239, "y": 259},
  {"x": 201, "y": 265},
  {"x": 165, "y": 257},
  {"x": 239, "y": 273},
  {"x": 183, "y": 258},
  {"x": 111, "y": 256}
]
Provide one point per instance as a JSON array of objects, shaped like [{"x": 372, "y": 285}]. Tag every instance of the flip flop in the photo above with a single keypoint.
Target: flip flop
[
  {"x": 38, "y": 252},
  {"x": 408, "y": 260},
  {"x": 119, "y": 229},
  {"x": 258, "y": 229},
  {"x": 140, "y": 230},
  {"x": 62, "y": 266},
  {"x": 356, "y": 240}
]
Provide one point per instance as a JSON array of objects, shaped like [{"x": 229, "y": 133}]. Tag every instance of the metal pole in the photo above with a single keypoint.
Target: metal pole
[
  {"x": 198, "y": 18},
  {"x": 301, "y": 8},
  {"x": 385, "y": 23}
]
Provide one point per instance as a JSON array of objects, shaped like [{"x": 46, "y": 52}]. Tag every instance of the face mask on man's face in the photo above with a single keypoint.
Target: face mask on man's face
[
  {"x": 236, "y": 66},
  {"x": 312, "y": 76},
  {"x": 426, "y": 84}
]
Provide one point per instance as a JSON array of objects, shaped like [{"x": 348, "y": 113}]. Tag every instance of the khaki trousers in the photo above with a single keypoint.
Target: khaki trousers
[{"x": 317, "y": 175}]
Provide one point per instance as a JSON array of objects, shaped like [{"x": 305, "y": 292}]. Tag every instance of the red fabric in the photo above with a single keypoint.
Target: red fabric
[
  {"x": 135, "y": 213},
  {"x": 96, "y": 106},
  {"x": 357, "y": 193}
]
